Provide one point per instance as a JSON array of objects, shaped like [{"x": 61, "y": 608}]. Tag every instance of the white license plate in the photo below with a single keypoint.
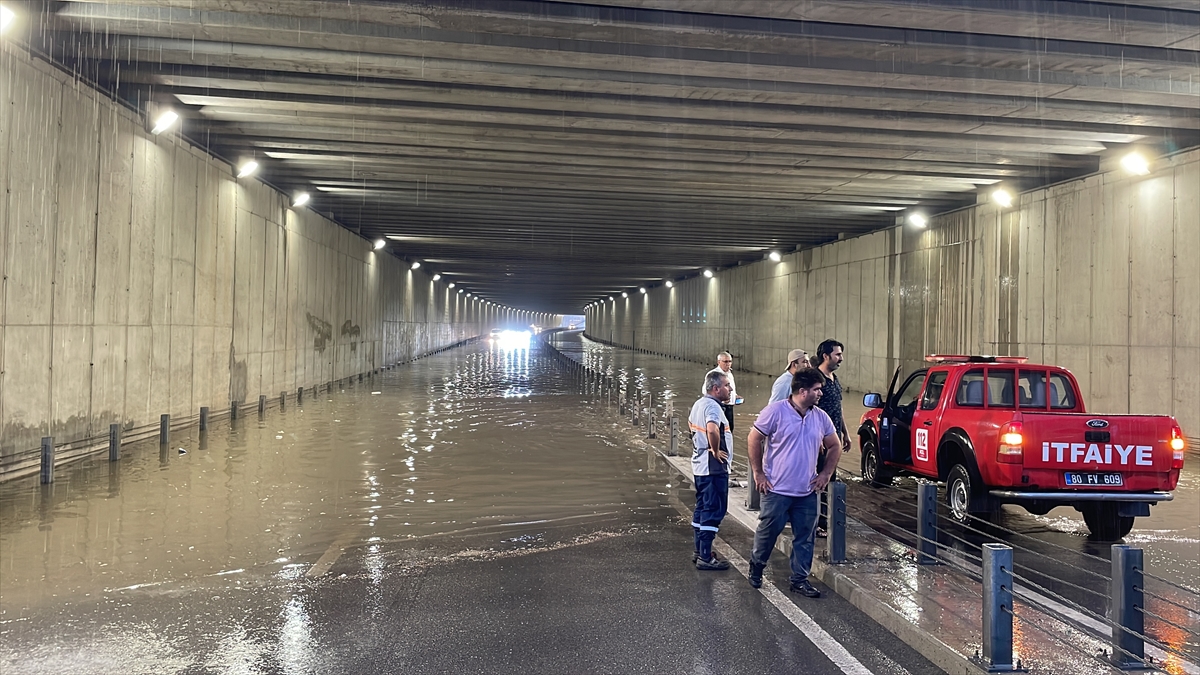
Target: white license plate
[{"x": 1094, "y": 479}]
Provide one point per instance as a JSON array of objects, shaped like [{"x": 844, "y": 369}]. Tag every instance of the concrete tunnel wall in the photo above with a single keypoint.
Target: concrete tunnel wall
[
  {"x": 1100, "y": 275},
  {"x": 141, "y": 278}
]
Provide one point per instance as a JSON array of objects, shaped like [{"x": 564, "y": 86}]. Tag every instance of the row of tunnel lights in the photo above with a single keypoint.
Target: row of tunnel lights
[
  {"x": 1133, "y": 163},
  {"x": 167, "y": 119}
]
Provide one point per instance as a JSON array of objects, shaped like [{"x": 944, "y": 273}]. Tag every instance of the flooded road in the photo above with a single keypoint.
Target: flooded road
[{"x": 469, "y": 512}]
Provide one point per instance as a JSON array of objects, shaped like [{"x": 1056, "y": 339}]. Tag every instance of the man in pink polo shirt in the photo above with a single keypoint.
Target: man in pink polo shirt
[{"x": 783, "y": 448}]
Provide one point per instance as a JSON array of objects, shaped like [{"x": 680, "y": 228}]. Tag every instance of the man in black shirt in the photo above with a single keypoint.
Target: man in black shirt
[{"x": 826, "y": 360}]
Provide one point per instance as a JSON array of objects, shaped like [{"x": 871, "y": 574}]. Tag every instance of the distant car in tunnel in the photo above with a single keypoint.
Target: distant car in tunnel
[
  {"x": 998, "y": 431},
  {"x": 496, "y": 332}
]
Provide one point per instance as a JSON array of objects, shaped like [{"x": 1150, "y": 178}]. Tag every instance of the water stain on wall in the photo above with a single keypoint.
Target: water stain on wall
[
  {"x": 237, "y": 376},
  {"x": 349, "y": 329},
  {"x": 323, "y": 330}
]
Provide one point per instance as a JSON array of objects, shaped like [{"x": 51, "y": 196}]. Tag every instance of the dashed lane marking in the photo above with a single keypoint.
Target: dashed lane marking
[{"x": 824, "y": 641}]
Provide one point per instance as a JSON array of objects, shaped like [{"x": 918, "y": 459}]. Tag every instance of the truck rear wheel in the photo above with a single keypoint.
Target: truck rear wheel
[
  {"x": 874, "y": 473},
  {"x": 1104, "y": 523},
  {"x": 959, "y": 496}
]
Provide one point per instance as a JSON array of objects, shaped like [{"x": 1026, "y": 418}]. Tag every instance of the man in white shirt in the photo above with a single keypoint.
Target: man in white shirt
[
  {"x": 797, "y": 359},
  {"x": 725, "y": 367}
]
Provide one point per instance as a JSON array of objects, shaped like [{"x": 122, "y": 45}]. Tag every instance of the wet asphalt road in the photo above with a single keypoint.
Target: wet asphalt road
[
  {"x": 467, "y": 513},
  {"x": 1053, "y": 551}
]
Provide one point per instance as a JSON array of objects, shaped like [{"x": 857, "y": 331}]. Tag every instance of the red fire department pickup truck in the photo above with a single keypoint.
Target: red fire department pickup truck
[{"x": 997, "y": 430}]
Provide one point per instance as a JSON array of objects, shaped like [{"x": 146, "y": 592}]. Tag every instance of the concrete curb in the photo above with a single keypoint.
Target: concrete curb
[
  {"x": 939, "y": 653},
  {"x": 927, "y": 645}
]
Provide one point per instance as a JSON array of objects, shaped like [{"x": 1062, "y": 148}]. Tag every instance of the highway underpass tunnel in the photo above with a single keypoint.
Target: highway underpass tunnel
[{"x": 336, "y": 233}]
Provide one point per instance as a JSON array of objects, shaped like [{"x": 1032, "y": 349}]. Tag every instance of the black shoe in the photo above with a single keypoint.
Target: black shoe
[
  {"x": 804, "y": 588},
  {"x": 756, "y": 571},
  {"x": 712, "y": 564}
]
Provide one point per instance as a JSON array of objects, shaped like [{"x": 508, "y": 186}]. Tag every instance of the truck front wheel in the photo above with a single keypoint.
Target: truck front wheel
[
  {"x": 874, "y": 473},
  {"x": 1104, "y": 523},
  {"x": 959, "y": 493}
]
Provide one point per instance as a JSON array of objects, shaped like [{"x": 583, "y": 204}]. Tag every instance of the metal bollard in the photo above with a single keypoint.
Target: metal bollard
[
  {"x": 835, "y": 541},
  {"x": 997, "y": 608},
  {"x": 299, "y": 394},
  {"x": 164, "y": 429},
  {"x": 753, "y": 496},
  {"x": 47, "y": 460},
  {"x": 927, "y": 524},
  {"x": 114, "y": 442},
  {"x": 203, "y": 418},
  {"x": 650, "y": 416},
  {"x": 282, "y": 399},
  {"x": 674, "y": 451},
  {"x": 1125, "y": 613},
  {"x": 262, "y": 404}
]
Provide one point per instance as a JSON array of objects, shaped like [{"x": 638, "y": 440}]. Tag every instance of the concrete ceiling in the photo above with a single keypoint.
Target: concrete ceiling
[{"x": 546, "y": 154}]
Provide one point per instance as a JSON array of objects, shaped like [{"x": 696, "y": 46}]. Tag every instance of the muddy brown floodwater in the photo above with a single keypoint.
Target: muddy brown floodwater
[{"x": 476, "y": 440}]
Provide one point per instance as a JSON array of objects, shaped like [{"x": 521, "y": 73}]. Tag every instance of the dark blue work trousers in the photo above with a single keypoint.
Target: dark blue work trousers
[
  {"x": 712, "y": 501},
  {"x": 775, "y": 512}
]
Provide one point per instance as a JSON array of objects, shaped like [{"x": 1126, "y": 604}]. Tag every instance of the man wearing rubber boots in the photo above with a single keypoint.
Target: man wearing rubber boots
[
  {"x": 711, "y": 439},
  {"x": 783, "y": 447}
]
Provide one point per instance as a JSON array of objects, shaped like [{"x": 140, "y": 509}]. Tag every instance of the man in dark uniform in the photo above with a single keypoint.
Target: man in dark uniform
[{"x": 827, "y": 360}]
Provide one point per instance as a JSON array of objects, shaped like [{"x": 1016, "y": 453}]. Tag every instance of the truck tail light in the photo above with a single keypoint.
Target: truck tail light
[
  {"x": 1012, "y": 444},
  {"x": 1178, "y": 446}
]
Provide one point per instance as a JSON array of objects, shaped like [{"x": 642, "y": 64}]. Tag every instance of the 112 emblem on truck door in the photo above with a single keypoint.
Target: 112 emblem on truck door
[{"x": 922, "y": 445}]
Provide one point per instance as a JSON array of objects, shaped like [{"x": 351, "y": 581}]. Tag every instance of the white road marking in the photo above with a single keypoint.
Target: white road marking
[
  {"x": 325, "y": 562},
  {"x": 817, "y": 635}
]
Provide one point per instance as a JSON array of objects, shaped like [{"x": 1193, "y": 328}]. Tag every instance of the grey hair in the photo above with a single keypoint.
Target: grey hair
[
  {"x": 713, "y": 380},
  {"x": 724, "y": 354}
]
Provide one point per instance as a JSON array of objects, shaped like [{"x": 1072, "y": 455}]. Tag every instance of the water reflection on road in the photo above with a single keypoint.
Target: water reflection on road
[{"x": 476, "y": 439}]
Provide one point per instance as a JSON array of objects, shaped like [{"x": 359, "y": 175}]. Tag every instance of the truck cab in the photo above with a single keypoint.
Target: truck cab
[{"x": 998, "y": 430}]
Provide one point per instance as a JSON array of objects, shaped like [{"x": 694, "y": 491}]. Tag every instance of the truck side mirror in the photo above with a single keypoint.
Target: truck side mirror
[{"x": 873, "y": 401}]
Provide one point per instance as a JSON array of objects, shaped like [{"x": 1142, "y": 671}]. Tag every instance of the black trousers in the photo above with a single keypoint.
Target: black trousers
[{"x": 728, "y": 410}]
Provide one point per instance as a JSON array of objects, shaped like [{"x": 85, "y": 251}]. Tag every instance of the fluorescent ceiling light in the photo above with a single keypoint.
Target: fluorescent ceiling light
[
  {"x": 6, "y": 18},
  {"x": 165, "y": 121},
  {"x": 1135, "y": 163}
]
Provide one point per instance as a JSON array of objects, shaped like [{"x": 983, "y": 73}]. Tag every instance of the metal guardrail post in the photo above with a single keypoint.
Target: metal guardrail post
[
  {"x": 282, "y": 399},
  {"x": 650, "y": 432},
  {"x": 114, "y": 442},
  {"x": 1125, "y": 613},
  {"x": 927, "y": 524},
  {"x": 835, "y": 541},
  {"x": 674, "y": 451},
  {"x": 233, "y": 410},
  {"x": 164, "y": 429},
  {"x": 203, "y": 418},
  {"x": 997, "y": 608},
  {"x": 299, "y": 395},
  {"x": 47, "y": 460},
  {"x": 262, "y": 404}
]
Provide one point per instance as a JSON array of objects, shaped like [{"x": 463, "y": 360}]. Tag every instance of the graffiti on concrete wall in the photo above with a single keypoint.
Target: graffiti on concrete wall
[{"x": 352, "y": 331}]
